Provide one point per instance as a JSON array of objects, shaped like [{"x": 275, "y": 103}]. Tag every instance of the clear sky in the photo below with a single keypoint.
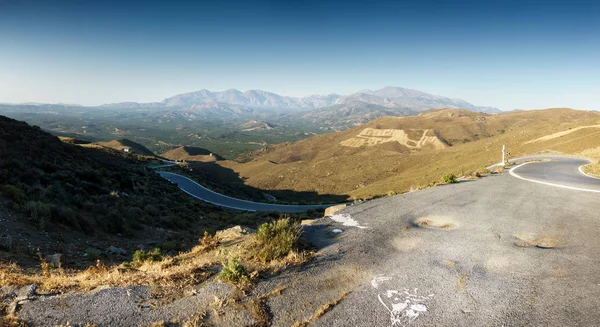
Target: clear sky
[{"x": 503, "y": 53}]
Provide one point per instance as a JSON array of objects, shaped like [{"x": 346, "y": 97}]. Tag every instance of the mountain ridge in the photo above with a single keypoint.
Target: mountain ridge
[{"x": 389, "y": 96}]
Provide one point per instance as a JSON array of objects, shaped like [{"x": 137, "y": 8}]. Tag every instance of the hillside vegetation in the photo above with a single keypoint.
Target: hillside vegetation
[
  {"x": 391, "y": 154},
  {"x": 68, "y": 197}
]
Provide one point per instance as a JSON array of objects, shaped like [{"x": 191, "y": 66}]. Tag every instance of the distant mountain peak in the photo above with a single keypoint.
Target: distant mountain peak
[{"x": 389, "y": 97}]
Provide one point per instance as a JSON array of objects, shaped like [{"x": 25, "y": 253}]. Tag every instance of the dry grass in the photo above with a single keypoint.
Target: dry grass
[
  {"x": 170, "y": 278},
  {"x": 322, "y": 310},
  {"x": 10, "y": 321},
  {"x": 592, "y": 169},
  {"x": 174, "y": 273},
  {"x": 462, "y": 282}
]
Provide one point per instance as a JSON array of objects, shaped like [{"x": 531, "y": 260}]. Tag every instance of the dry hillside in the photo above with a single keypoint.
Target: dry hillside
[
  {"x": 127, "y": 144},
  {"x": 190, "y": 153},
  {"x": 392, "y": 154}
]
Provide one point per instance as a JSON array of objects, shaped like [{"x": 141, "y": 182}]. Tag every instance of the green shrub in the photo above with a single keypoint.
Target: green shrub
[
  {"x": 449, "y": 179},
  {"x": 140, "y": 256},
  {"x": 278, "y": 239},
  {"x": 38, "y": 211},
  {"x": 13, "y": 193},
  {"x": 234, "y": 272}
]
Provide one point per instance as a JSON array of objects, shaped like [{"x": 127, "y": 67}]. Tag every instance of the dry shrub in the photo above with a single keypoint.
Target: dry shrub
[{"x": 209, "y": 242}]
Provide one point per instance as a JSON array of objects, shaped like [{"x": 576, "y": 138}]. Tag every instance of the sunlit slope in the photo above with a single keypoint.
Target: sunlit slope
[
  {"x": 362, "y": 162},
  {"x": 190, "y": 153},
  {"x": 127, "y": 144}
]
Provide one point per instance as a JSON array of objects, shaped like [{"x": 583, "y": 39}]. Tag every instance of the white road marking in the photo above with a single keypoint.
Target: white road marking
[{"x": 512, "y": 173}]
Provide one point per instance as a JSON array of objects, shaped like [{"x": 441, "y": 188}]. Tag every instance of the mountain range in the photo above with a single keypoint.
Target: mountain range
[{"x": 387, "y": 97}]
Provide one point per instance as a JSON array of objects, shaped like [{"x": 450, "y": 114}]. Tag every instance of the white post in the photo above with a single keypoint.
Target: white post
[{"x": 503, "y": 152}]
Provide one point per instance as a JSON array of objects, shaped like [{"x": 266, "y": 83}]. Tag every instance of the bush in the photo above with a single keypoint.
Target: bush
[
  {"x": 39, "y": 212},
  {"x": 140, "y": 256},
  {"x": 449, "y": 179},
  {"x": 278, "y": 239},
  {"x": 13, "y": 193},
  {"x": 209, "y": 242},
  {"x": 234, "y": 272}
]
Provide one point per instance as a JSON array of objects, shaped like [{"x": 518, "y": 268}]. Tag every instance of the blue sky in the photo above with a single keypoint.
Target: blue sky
[{"x": 508, "y": 54}]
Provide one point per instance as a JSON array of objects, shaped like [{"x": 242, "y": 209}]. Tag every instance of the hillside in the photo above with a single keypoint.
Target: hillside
[
  {"x": 128, "y": 146},
  {"x": 391, "y": 154},
  {"x": 190, "y": 153},
  {"x": 255, "y": 125},
  {"x": 67, "y": 198}
]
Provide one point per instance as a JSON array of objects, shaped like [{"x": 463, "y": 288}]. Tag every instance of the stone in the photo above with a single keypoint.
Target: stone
[
  {"x": 6, "y": 242},
  {"x": 27, "y": 291},
  {"x": 55, "y": 259},
  {"x": 12, "y": 308},
  {"x": 333, "y": 210},
  {"x": 233, "y": 233},
  {"x": 115, "y": 251}
]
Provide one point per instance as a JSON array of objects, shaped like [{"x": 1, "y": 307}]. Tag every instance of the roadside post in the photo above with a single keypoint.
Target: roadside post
[{"x": 503, "y": 152}]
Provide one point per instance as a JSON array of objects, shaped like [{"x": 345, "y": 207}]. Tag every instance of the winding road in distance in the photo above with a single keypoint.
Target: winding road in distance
[{"x": 200, "y": 192}]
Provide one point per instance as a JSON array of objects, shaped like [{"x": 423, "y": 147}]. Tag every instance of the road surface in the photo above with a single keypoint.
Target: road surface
[
  {"x": 500, "y": 251},
  {"x": 564, "y": 172},
  {"x": 200, "y": 192}
]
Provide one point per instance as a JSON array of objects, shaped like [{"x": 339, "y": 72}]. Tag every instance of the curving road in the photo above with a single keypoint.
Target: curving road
[
  {"x": 563, "y": 172},
  {"x": 200, "y": 192}
]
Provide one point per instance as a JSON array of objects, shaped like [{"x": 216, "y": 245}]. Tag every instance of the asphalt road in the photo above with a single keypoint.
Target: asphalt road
[
  {"x": 200, "y": 192},
  {"x": 501, "y": 251},
  {"x": 564, "y": 172}
]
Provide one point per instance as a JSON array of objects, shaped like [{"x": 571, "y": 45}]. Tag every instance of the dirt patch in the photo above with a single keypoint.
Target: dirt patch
[
  {"x": 436, "y": 222},
  {"x": 413, "y": 139},
  {"x": 406, "y": 244},
  {"x": 543, "y": 241}
]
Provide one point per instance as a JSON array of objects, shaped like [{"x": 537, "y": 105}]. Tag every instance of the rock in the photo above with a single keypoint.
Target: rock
[
  {"x": 7, "y": 291},
  {"x": 55, "y": 259},
  {"x": 6, "y": 242},
  {"x": 333, "y": 210},
  {"x": 233, "y": 233},
  {"x": 20, "y": 298},
  {"x": 27, "y": 291},
  {"x": 114, "y": 251},
  {"x": 12, "y": 308}
]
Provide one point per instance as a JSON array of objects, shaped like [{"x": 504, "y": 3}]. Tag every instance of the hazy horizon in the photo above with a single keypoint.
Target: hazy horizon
[{"x": 510, "y": 54}]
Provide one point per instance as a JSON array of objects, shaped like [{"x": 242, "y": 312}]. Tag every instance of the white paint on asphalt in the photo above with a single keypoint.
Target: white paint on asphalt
[
  {"x": 346, "y": 220},
  {"x": 404, "y": 306},
  {"x": 378, "y": 279},
  {"x": 514, "y": 174}
]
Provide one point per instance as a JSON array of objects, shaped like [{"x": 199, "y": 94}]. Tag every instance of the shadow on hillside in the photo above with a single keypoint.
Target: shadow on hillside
[
  {"x": 196, "y": 151},
  {"x": 227, "y": 181}
]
